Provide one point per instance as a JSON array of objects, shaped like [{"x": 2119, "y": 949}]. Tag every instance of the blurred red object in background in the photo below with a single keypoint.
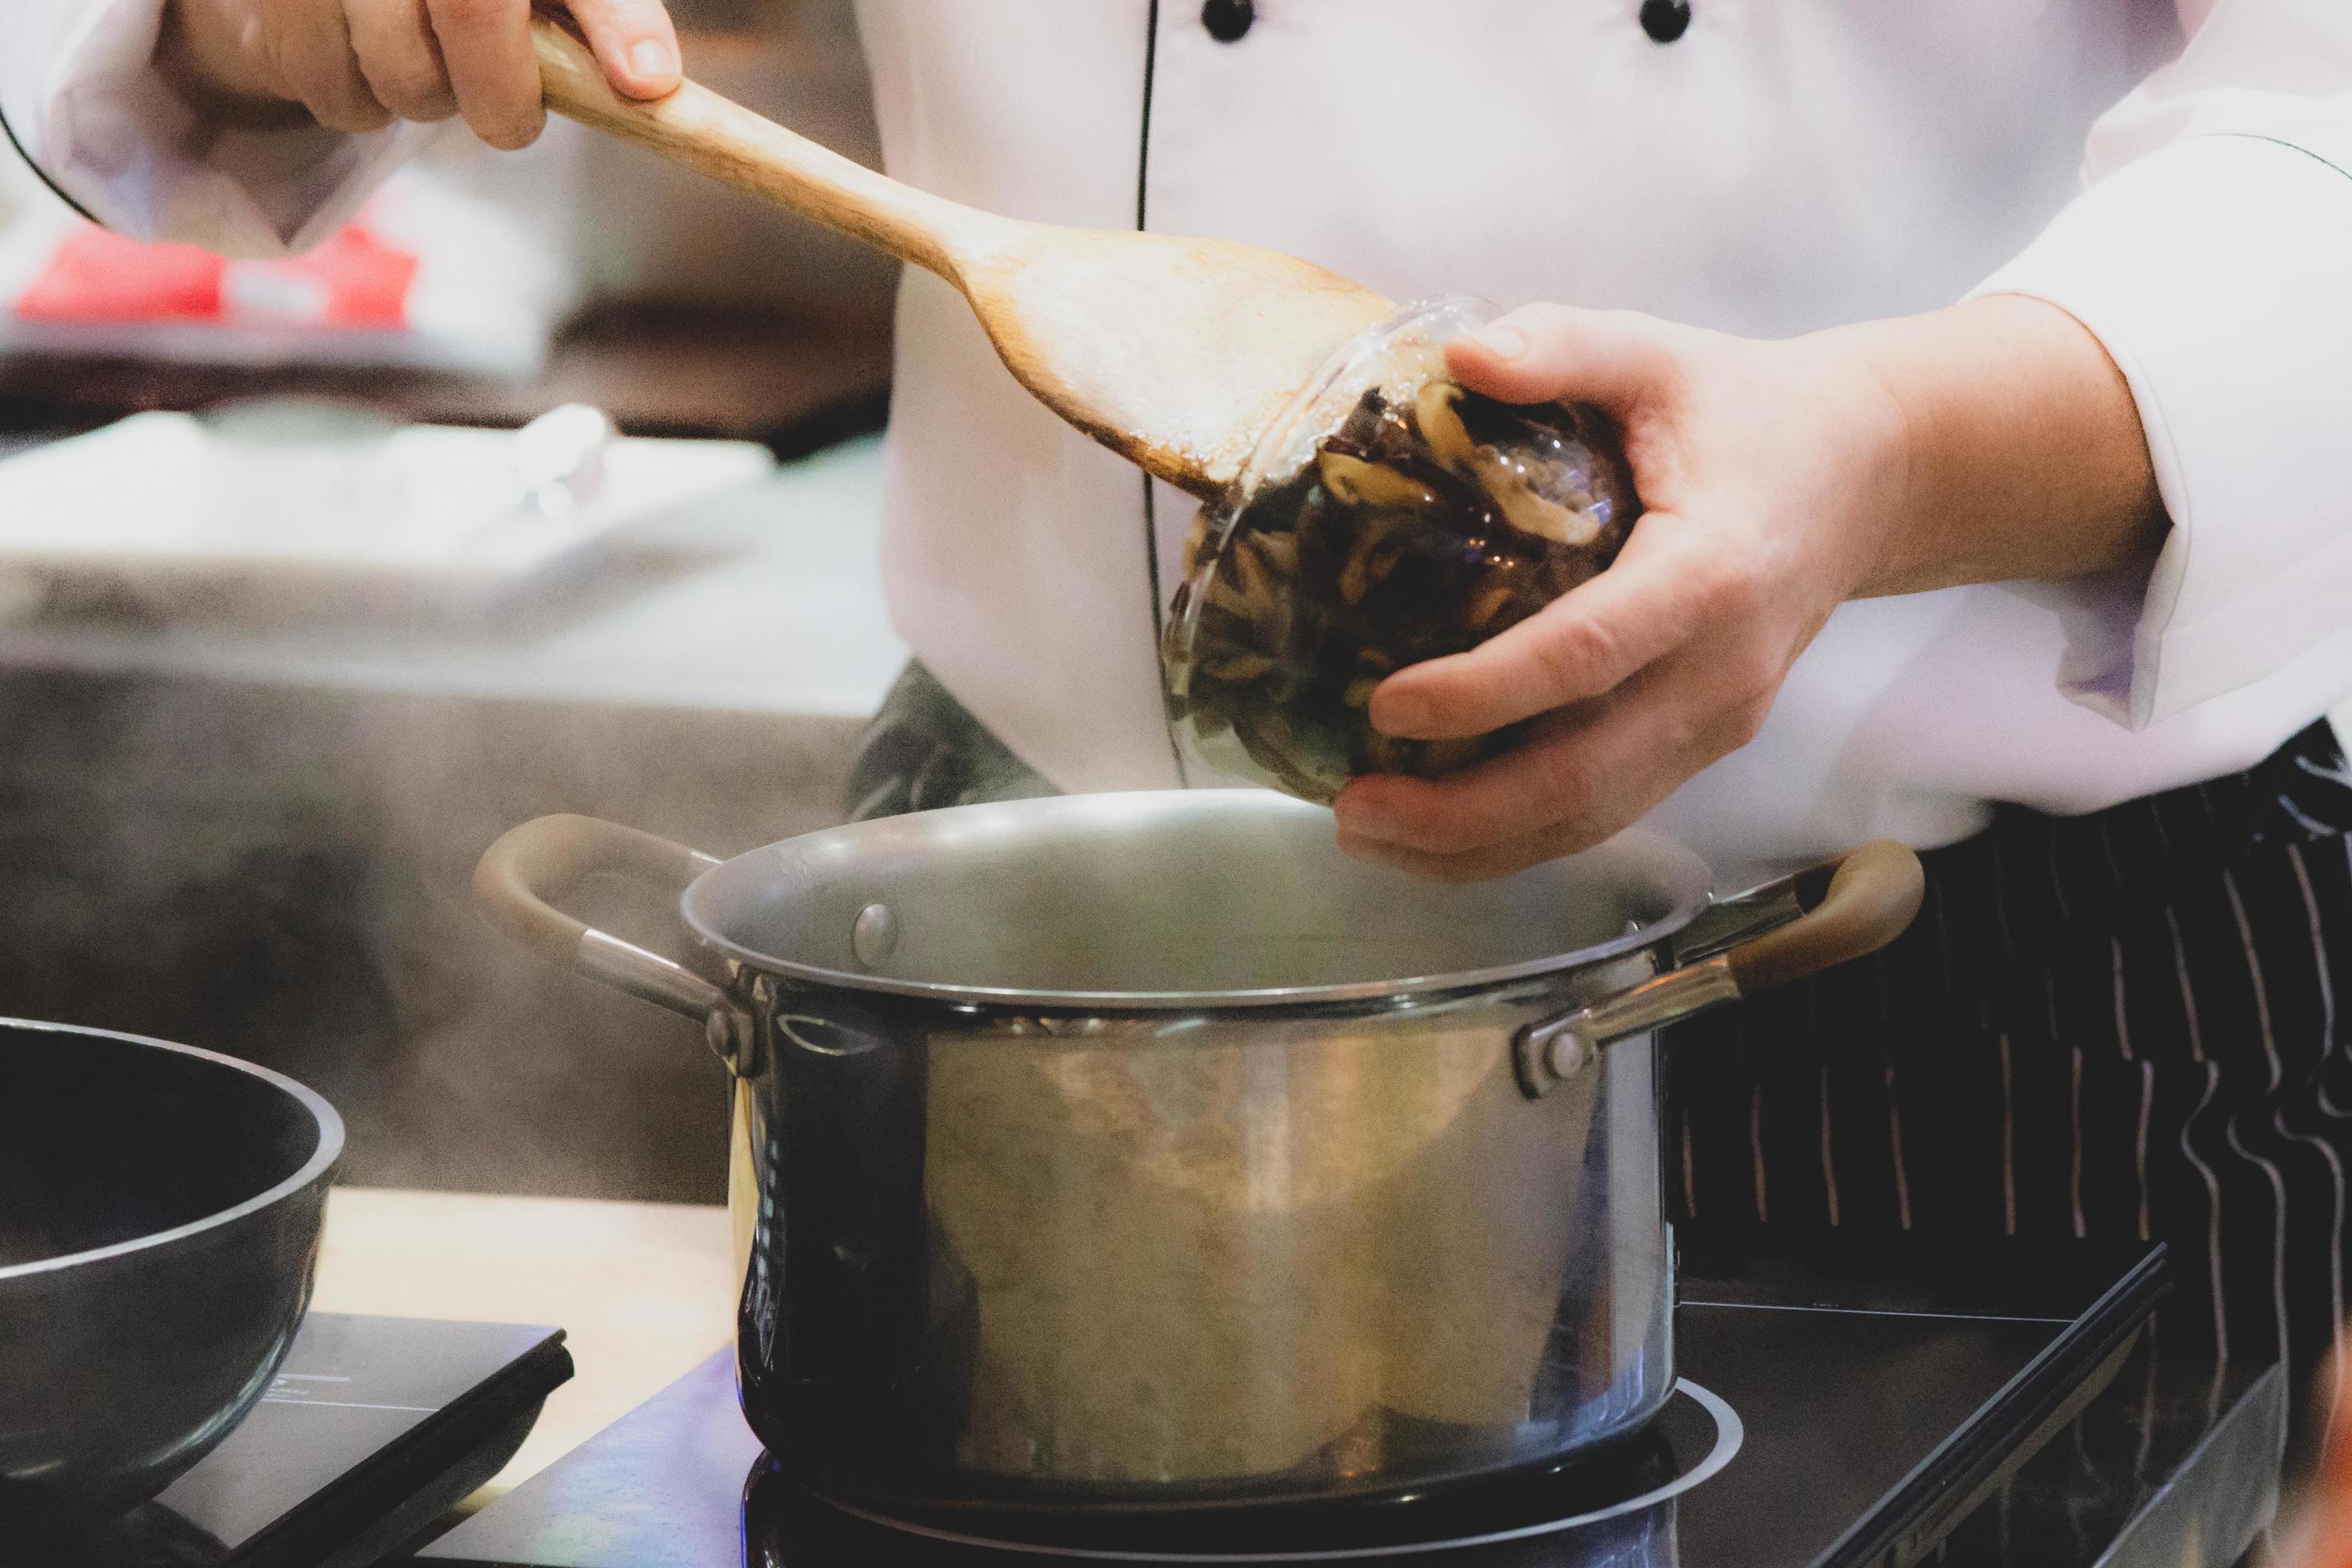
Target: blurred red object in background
[{"x": 356, "y": 281}]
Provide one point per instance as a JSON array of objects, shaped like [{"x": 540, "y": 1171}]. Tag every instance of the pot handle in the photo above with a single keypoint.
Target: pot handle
[
  {"x": 530, "y": 865},
  {"x": 1850, "y": 908}
]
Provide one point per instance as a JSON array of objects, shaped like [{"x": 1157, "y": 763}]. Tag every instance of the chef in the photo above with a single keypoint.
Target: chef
[{"x": 2000, "y": 500}]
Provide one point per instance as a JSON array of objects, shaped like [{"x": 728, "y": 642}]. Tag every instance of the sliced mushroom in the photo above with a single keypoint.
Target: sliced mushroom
[
  {"x": 1376, "y": 554},
  {"x": 1489, "y": 601},
  {"x": 1280, "y": 553},
  {"x": 1259, "y": 582},
  {"x": 1246, "y": 588},
  {"x": 1310, "y": 600},
  {"x": 1527, "y": 511},
  {"x": 1242, "y": 667},
  {"x": 1271, "y": 745},
  {"x": 1360, "y": 483},
  {"x": 1441, "y": 428}
]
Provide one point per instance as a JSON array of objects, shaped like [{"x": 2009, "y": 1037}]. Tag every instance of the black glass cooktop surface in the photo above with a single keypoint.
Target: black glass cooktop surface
[
  {"x": 1819, "y": 1425},
  {"x": 374, "y": 1428},
  {"x": 1622, "y": 1493}
]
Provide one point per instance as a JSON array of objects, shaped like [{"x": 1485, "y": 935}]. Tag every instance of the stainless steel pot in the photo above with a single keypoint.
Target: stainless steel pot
[{"x": 1139, "y": 1151}]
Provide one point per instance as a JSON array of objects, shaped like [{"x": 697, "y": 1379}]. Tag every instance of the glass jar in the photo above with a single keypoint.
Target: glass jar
[{"x": 1388, "y": 516}]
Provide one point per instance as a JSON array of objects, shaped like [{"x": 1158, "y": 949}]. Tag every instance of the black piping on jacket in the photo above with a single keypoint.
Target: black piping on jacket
[
  {"x": 59, "y": 191},
  {"x": 1142, "y": 216}
]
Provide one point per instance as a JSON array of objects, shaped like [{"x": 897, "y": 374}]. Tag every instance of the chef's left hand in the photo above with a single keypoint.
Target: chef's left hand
[
  {"x": 2317, "y": 1532},
  {"x": 1991, "y": 441}
]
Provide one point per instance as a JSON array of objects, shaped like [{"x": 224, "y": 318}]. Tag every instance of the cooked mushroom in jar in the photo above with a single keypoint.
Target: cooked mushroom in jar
[{"x": 1419, "y": 528}]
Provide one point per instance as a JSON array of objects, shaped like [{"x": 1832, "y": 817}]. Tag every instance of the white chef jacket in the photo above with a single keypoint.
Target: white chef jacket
[{"x": 1785, "y": 166}]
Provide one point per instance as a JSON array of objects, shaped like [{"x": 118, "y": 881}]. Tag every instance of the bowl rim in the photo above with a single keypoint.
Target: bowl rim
[{"x": 322, "y": 1158}]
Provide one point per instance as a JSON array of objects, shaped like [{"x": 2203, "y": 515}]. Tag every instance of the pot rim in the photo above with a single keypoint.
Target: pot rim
[
  {"x": 1687, "y": 889},
  {"x": 322, "y": 1158}
]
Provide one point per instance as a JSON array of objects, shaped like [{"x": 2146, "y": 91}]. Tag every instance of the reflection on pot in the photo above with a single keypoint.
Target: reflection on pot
[{"x": 1239, "y": 1259}]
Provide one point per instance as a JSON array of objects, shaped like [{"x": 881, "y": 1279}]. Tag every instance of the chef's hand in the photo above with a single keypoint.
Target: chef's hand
[
  {"x": 2318, "y": 1532},
  {"x": 359, "y": 65},
  {"x": 1991, "y": 441}
]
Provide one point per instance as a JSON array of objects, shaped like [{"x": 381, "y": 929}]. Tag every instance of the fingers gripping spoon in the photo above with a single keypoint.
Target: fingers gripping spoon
[{"x": 1175, "y": 353}]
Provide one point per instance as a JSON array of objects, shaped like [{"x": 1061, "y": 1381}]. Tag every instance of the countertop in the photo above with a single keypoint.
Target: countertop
[
  {"x": 765, "y": 600},
  {"x": 643, "y": 1291}
]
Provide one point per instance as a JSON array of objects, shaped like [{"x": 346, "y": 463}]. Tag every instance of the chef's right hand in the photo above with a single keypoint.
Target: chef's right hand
[
  {"x": 359, "y": 65},
  {"x": 2323, "y": 1536}
]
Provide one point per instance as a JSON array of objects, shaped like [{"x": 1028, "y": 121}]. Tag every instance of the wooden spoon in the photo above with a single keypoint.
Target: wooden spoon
[{"x": 1175, "y": 353}]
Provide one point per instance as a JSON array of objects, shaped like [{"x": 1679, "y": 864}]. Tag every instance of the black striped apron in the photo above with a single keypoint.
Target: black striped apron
[{"x": 2124, "y": 1024}]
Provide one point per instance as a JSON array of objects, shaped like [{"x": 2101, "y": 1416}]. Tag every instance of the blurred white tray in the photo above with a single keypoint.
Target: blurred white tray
[{"x": 280, "y": 500}]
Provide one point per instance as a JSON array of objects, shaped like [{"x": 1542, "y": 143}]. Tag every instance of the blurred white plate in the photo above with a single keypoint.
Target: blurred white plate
[{"x": 306, "y": 496}]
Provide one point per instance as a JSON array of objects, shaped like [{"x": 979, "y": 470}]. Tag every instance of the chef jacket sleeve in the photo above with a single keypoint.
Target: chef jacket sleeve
[
  {"x": 2210, "y": 251},
  {"x": 83, "y": 103}
]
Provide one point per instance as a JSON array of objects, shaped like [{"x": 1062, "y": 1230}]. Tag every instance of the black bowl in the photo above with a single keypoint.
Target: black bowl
[{"x": 160, "y": 1209}]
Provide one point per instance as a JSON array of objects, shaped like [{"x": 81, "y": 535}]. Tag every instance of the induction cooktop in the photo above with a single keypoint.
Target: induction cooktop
[
  {"x": 1821, "y": 1423},
  {"x": 1825, "y": 1420},
  {"x": 374, "y": 1428}
]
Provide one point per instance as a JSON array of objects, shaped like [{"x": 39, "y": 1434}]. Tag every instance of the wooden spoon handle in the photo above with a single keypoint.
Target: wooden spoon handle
[{"x": 697, "y": 129}]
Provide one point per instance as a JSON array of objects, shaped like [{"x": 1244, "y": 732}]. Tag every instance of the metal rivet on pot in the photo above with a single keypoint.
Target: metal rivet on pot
[
  {"x": 1568, "y": 1056},
  {"x": 874, "y": 936},
  {"x": 1548, "y": 1054}
]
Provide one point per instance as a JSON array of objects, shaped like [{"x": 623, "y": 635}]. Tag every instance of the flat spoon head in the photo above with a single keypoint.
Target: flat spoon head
[{"x": 1175, "y": 353}]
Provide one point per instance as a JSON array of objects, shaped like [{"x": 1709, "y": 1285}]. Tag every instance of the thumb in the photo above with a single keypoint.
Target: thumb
[
  {"x": 634, "y": 43},
  {"x": 1547, "y": 353}
]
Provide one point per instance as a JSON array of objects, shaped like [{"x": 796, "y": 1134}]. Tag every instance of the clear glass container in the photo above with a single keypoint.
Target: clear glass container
[{"x": 1389, "y": 516}]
